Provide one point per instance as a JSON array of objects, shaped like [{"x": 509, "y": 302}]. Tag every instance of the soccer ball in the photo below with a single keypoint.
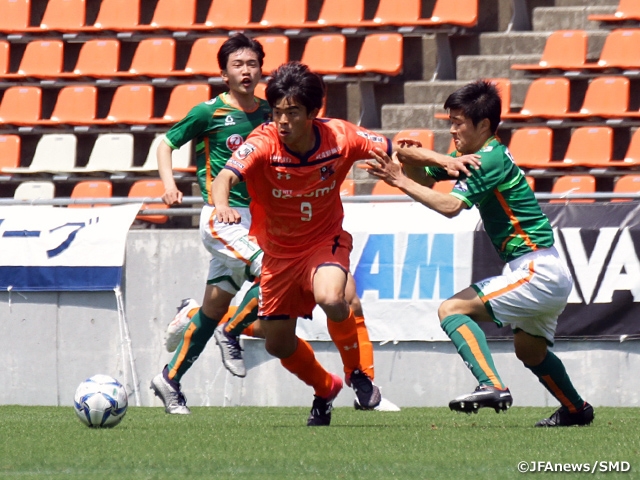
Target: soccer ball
[{"x": 100, "y": 401}]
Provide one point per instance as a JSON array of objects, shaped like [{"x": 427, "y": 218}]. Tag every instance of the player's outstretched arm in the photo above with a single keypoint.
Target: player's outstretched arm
[
  {"x": 414, "y": 156},
  {"x": 220, "y": 190},
  {"x": 171, "y": 195}
]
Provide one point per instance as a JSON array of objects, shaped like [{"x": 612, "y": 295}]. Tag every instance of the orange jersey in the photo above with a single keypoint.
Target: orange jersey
[{"x": 296, "y": 199}]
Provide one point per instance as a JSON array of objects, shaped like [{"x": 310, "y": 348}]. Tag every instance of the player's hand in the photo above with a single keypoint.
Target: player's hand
[
  {"x": 384, "y": 167},
  {"x": 172, "y": 196},
  {"x": 408, "y": 142},
  {"x": 465, "y": 164},
  {"x": 227, "y": 215}
]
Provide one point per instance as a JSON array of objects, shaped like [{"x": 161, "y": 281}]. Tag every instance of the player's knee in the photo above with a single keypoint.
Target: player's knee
[
  {"x": 530, "y": 354},
  {"x": 446, "y": 308},
  {"x": 355, "y": 305}
]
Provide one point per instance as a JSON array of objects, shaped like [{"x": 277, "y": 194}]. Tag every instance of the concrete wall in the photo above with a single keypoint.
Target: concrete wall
[{"x": 52, "y": 341}]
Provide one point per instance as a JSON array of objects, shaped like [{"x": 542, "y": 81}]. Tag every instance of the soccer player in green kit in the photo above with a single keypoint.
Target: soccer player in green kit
[{"x": 533, "y": 289}]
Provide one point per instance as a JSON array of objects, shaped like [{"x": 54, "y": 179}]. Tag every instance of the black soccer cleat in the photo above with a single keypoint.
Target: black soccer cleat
[
  {"x": 320, "y": 414},
  {"x": 484, "y": 396},
  {"x": 564, "y": 418},
  {"x": 368, "y": 394}
]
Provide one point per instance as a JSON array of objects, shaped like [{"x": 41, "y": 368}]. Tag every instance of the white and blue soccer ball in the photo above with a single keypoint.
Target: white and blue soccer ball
[{"x": 100, "y": 401}]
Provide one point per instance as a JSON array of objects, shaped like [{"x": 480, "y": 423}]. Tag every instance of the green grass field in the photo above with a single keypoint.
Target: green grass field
[{"x": 275, "y": 443}]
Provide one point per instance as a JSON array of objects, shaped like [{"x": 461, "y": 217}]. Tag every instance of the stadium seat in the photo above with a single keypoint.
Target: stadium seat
[
  {"x": 227, "y": 15},
  {"x": 145, "y": 190},
  {"x": 338, "y": 13},
  {"x": 546, "y": 98},
  {"x": 41, "y": 59},
  {"x": 15, "y": 15},
  {"x": 626, "y": 10},
  {"x": 287, "y": 14},
  {"x": 347, "y": 189},
  {"x": 98, "y": 57},
  {"x": 326, "y": 52},
  {"x": 564, "y": 50},
  {"x": 9, "y": 151},
  {"x": 276, "y": 51},
  {"x": 87, "y": 189},
  {"x": 172, "y": 15},
  {"x": 383, "y": 188},
  {"x": 181, "y": 159},
  {"x": 55, "y": 152},
  {"x": 632, "y": 157},
  {"x": 203, "y": 58},
  {"x": 531, "y": 181},
  {"x": 154, "y": 57},
  {"x": 117, "y": 15},
  {"x": 131, "y": 104},
  {"x": 533, "y": 147},
  {"x": 620, "y": 51},
  {"x": 626, "y": 184},
  {"x": 64, "y": 15},
  {"x": 590, "y": 147},
  {"x": 4, "y": 57},
  {"x": 462, "y": 13},
  {"x": 35, "y": 190},
  {"x": 21, "y": 105},
  {"x": 111, "y": 152},
  {"x": 568, "y": 184},
  {"x": 605, "y": 97},
  {"x": 182, "y": 98},
  {"x": 75, "y": 105},
  {"x": 422, "y": 135},
  {"x": 379, "y": 53}
]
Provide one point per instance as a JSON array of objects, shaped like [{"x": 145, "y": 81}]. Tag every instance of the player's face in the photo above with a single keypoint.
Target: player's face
[
  {"x": 468, "y": 138},
  {"x": 243, "y": 71},
  {"x": 294, "y": 124}
]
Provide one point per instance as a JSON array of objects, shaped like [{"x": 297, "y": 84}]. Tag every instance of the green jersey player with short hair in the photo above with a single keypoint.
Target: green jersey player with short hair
[{"x": 535, "y": 284}]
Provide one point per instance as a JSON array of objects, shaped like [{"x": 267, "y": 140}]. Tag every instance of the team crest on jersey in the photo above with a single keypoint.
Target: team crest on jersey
[
  {"x": 244, "y": 151},
  {"x": 234, "y": 141},
  {"x": 326, "y": 172}
]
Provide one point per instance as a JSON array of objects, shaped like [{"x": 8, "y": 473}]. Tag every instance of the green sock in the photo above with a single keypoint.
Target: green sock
[
  {"x": 194, "y": 339},
  {"x": 247, "y": 312},
  {"x": 472, "y": 346},
  {"x": 554, "y": 377}
]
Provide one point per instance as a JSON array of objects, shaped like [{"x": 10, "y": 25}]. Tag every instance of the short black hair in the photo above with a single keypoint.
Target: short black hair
[
  {"x": 236, "y": 42},
  {"x": 295, "y": 81},
  {"x": 477, "y": 100}
]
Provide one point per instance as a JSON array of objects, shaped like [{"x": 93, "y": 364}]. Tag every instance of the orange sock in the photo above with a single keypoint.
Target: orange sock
[
  {"x": 227, "y": 316},
  {"x": 366, "y": 349},
  {"x": 248, "y": 331},
  {"x": 303, "y": 364},
  {"x": 345, "y": 337}
]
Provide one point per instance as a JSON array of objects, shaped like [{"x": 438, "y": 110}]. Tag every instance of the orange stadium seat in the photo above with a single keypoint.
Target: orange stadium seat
[
  {"x": 117, "y": 15},
  {"x": 632, "y": 157},
  {"x": 75, "y": 105},
  {"x": 64, "y": 15},
  {"x": 289, "y": 14},
  {"x": 546, "y": 98},
  {"x": 568, "y": 184},
  {"x": 87, "y": 189},
  {"x": 590, "y": 147},
  {"x": 422, "y": 135},
  {"x": 21, "y": 105},
  {"x": 15, "y": 15},
  {"x": 532, "y": 147},
  {"x": 149, "y": 189},
  {"x": 9, "y": 151},
  {"x": 338, "y": 13},
  {"x": 347, "y": 189},
  {"x": 131, "y": 104},
  {"x": 41, "y": 59},
  {"x": 203, "y": 58},
  {"x": 172, "y": 15},
  {"x": 4, "y": 57},
  {"x": 605, "y": 97},
  {"x": 626, "y": 10},
  {"x": 98, "y": 57},
  {"x": 379, "y": 53},
  {"x": 227, "y": 15},
  {"x": 626, "y": 184},
  {"x": 445, "y": 12},
  {"x": 564, "y": 50},
  {"x": 326, "y": 52},
  {"x": 276, "y": 51},
  {"x": 382, "y": 188},
  {"x": 183, "y": 97},
  {"x": 620, "y": 51},
  {"x": 154, "y": 57}
]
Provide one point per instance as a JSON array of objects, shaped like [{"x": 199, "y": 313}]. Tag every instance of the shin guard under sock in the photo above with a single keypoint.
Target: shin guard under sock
[
  {"x": 554, "y": 377},
  {"x": 345, "y": 337},
  {"x": 194, "y": 339},
  {"x": 246, "y": 314},
  {"x": 303, "y": 364}
]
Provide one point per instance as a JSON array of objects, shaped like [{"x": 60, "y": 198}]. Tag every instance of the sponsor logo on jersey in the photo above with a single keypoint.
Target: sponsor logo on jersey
[
  {"x": 488, "y": 148},
  {"x": 373, "y": 138},
  {"x": 327, "y": 153},
  {"x": 229, "y": 121},
  {"x": 245, "y": 150},
  {"x": 234, "y": 141},
  {"x": 235, "y": 163},
  {"x": 317, "y": 193}
]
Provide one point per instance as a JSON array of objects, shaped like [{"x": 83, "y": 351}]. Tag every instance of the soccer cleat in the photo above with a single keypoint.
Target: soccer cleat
[
  {"x": 175, "y": 330},
  {"x": 231, "y": 351},
  {"x": 174, "y": 401},
  {"x": 320, "y": 414},
  {"x": 563, "y": 418},
  {"x": 367, "y": 393},
  {"x": 484, "y": 396},
  {"x": 384, "y": 406}
]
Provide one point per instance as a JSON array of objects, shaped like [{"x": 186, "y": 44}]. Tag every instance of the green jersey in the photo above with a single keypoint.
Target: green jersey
[
  {"x": 509, "y": 210},
  {"x": 217, "y": 129}
]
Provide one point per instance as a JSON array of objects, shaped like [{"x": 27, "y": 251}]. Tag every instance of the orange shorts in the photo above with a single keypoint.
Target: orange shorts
[{"x": 286, "y": 284}]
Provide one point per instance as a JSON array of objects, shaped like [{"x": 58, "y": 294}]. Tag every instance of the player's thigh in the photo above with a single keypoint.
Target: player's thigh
[
  {"x": 216, "y": 301},
  {"x": 466, "y": 302},
  {"x": 280, "y": 336}
]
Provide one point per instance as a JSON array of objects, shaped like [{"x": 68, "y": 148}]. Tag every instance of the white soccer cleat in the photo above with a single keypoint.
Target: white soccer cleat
[
  {"x": 231, "y": 352},
  {"x": 384, "y": 406},
  {"x": 175, "y": 330}
]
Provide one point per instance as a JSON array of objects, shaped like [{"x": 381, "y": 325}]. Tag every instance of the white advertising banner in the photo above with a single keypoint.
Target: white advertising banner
[
  {"x": 45, "y": 248},
  {"x": 406, "y": 260}
]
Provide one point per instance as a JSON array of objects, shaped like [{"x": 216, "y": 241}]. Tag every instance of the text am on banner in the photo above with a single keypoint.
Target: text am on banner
[
  {"x": 600, "y": 243},
  {"x": 45, "y": 248}
]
